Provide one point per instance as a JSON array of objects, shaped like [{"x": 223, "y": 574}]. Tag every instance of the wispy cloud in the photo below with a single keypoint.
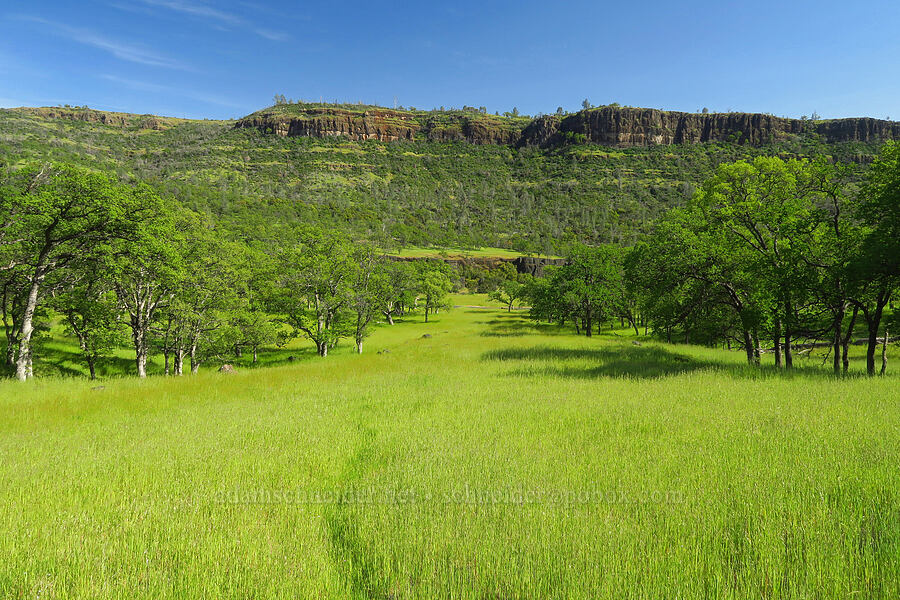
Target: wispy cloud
[
  {"x": 215, "y": 17},
  {"x": 128, "y": 52},
  {"x": 196, "y": 10},
  {"x": 145, "y": 86}
]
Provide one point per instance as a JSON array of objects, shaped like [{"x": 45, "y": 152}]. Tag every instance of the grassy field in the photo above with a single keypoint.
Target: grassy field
[{"x": 494, "y": 459}]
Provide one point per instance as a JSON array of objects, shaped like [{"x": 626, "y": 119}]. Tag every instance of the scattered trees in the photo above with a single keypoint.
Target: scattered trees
[
  {"x": 55, "y": 216},
  {"x": 785, "y": 250},
  {"x": 511, "y": 287},
  {"x": 433, "y": 284},
  {"x": 769, "y": 252}
]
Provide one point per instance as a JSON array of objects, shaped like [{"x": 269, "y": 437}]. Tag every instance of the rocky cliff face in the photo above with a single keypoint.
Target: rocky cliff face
[
  {"x": 624, "y": 127},
  {"x": 859, "y": 130},
  {"x": 382, "y": 125},
  {"x": 646, "y": 127},
  {"x": 608, "y": 126}
]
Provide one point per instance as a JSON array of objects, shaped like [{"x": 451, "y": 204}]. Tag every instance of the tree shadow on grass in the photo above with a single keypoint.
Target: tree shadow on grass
[
  {"x": 623, "y": 360},
  {"x": 518, "y": 325}
]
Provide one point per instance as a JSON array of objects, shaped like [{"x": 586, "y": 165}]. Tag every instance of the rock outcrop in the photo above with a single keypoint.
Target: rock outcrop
[
  {"x": 383, "y": 125},
  {"x": 627, "y": 127},
  {"x": 608, "y": 126}
]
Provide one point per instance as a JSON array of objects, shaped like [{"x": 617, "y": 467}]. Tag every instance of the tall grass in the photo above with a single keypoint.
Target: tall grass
[{"x": 495, "y": 459}]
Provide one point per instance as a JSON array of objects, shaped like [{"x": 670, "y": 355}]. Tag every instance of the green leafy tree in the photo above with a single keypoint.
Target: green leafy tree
[
  {"x": 510, "y": 288},
  {"x": 92, "y": 316},
  {"x": 586, "y": 285},
  {"x": 368, "y": 291},
  {"x": 877, "y": 267},
  {"x": 313, "y": 289},
  {"x": 434, "y": 285},
  {"x": 58, "y": 214},
  {"x": 399, "y": 289},
  {"x": 147, "y": 271}
]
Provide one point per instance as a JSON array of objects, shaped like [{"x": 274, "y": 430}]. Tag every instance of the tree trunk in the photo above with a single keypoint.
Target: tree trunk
[
  {"x": 588, "y": 321},
  {"x": 887, "y": 337},
  {"x": 24, "y": 355},
  {"x": 322, "y": 347},
  {"x": 756, "y": 352},
  {"x": 12, "y": 346},
  {"x": 195, "y": 362},
  {"x": 178, "y": 361},
  {"x": 359, "y": 343},
  {"x": 90, "y": 362},
  {"x": 788, "y": 349},
  {"x": 254, "y": 354},
  {"x": 140, "y": 360},
  {"x": 139, "y": 337},
  {"x": 166, "y": 360},
  {"x": 777, "y": 340},
  {"x": 845, "y": 343},
  {"x": 836, "y": 346},
  {"x": 874, "y": 322},
  {"x": 748, "y": 346},
  {"x": 388, "y": 316},
  {"x": 238, "y": 351}
]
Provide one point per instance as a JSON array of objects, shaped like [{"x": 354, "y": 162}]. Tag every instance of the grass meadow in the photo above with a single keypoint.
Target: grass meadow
[{"x": 497, "y": 458}]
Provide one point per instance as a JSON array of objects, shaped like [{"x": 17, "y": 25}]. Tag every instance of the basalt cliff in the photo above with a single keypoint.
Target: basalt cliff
[{"x": 608, "y": 126}]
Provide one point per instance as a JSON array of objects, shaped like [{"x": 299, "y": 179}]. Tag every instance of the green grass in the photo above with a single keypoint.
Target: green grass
[{"x": 494, "y": 459}]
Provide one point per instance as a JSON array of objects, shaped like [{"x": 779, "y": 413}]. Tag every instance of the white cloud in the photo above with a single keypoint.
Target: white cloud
[
  {"x": 127, "y": 52},
  {"x": 197, "y": 10},
  {"x": 215, "y": 17}
]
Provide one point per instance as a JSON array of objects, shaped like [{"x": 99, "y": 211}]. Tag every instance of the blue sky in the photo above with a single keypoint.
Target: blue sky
[{"x": 199, "y": 58}]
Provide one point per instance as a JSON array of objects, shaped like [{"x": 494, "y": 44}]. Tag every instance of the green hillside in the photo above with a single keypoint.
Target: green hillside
[{"x": 408, "y": 193}]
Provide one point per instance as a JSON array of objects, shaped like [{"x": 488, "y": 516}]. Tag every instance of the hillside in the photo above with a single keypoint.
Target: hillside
[{"x": 459, "y": 179}]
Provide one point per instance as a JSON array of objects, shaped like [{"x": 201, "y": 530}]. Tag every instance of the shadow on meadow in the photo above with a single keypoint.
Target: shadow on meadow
[
  {"x": 64, "y": 360},
  {"x": 518, "y": 325},
  {"x": 627, "y": 360}
]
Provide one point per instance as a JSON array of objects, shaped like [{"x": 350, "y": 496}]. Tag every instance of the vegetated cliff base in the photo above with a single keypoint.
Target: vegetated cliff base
[
  {"x": 608, "y": 126},
  {"x": 532, "y": 265},
  {"x": 89, "y": 115}
]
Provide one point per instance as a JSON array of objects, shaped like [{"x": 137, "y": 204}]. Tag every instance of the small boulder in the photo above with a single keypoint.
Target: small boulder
[
  {"x": 98, "y": 388},
  {"x": 227, "y": 369},
  {"x": 427, "y": 335},
  {"x": 385, "y": 351},
  {"x": 636, "y": 343},
  {"x": 292, "y": 358}
]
